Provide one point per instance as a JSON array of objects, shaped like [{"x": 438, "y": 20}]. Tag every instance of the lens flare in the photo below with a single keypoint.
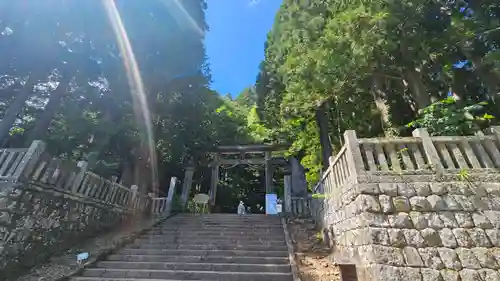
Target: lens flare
[{"x": 137, "y": 89}]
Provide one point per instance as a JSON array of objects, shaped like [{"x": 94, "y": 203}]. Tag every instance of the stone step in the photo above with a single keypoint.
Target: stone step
[
  {"x": 215, "y": 236},
  {"x": 122, "y": 279},
  {"x": 252, "y": 230},
  {"x": 224, "y": 226},
  {"x": 210, "y": 232},
  {"x": 210, "y": 246},
  {"x": 214, "y": 247},
  {"x": 225, "y": 267},
  {"x": 205, "y": 253},
  {"x": 222, "y": 220},
  {"x": 199, "y": 259},
  {"x": 259, "y": 217},
  {"x": 200, "y": 241},
  {"x": 99, "y": 273}
]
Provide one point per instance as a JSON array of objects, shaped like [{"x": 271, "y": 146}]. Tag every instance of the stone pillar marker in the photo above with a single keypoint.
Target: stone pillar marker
[
  {"x": 288, "y": 194},
  {"x": 429, "y": 150},
  {"x": 186, "y": 185},
  {"x": 354, "y": 159},
  {"x": 299, "y": 184}
]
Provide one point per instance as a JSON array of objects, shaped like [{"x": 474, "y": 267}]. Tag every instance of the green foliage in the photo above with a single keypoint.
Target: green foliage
[
  {"x": 450, "y": 118},
  {"x": 375, "y": 65},
  {"x": 196, "y": 208},
  {"x": 463, "y": 175},
  {"x": 96, "y": 117}
]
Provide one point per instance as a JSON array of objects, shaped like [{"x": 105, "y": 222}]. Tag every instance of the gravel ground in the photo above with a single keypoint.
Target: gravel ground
[
  {"x": 313, "y": 256},
  {"x": 64, "y": 265}
]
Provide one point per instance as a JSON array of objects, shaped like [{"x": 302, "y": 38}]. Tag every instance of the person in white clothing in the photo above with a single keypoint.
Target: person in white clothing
[{"x": 241, "y": 208}]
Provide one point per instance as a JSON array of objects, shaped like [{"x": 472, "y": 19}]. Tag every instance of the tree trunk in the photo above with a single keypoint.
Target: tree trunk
[
  {"x": 43, "y": 123},
  {"x": 16, "y": 107},
  {"x": 417, "y": 87},
  {"x": 127, "y": 175},
  {"x": 322, "y": 123},
  {"x": 380, "y": 99},
  {"x": 143, "y": 176}
]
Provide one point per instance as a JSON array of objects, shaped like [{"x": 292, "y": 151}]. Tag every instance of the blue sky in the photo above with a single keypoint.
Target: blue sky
[{"x": 235, "y": 42}]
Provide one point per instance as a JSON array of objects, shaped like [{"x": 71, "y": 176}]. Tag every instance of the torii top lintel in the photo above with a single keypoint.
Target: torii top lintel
[{"x": 229, "y": 149}]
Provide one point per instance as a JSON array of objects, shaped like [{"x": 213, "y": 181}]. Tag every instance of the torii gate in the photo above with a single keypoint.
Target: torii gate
[{"x": 249, "y": 155}]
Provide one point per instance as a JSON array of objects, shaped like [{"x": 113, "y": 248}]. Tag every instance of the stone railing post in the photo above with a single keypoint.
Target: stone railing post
[
  {"x": 83, "y": 165},
  {"x": 429, "y": 150},
  {"x": 153, "y": 202},
  {"x": 170, "y": 196},
  {"x": 30, "y": 159},
  {"x": 354, "y": 159},
  {"x": 494, "y": 130},
  {"x": 288, "y": 194},
  {"x": 134, "y": 189}
]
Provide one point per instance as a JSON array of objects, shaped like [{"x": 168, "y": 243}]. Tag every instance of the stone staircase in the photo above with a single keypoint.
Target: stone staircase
[{"x": 202, "y": 247}]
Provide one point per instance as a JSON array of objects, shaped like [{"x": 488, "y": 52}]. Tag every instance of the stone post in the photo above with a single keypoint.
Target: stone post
[
  {"x": 491, "y": 147},
  {"x": 299, "y": 184},
  {"x": 186, "y": 185},
  {"x": 30, "y": 159},
  {"x": 429, "y": 150},
  {"x": 354, "y": 159},
  {"x": 288, "y": 194},
  {"x": 493, "y": 130},
  {"x": 153, "y": 202},
  {"x": 83, "y": 165},
  {"x": 134, "y": 189},
  {"x": 170, "y": 196}
]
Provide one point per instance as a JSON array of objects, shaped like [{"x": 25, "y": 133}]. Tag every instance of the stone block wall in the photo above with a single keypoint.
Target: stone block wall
[
  {"x": 419, "y": 230},
  {"x": 417, "y": 208},
  {"x": 48, "y": 205},
  {"x": 36, "y": 223}
]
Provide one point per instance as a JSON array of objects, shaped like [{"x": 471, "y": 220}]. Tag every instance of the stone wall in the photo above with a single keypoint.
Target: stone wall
[
  {"x": 427, "y": 222},
  {"x": 53, "y": 205},
  {"x": 422, "y": 230}
]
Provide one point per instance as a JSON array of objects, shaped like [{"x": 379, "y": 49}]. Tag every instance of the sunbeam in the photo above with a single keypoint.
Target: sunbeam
[
  {"x": 137, "y": 89},
  {"x": 182, "y": 16}
]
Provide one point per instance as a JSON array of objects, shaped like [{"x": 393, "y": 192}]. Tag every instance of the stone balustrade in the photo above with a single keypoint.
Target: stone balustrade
[
  {"x": 47, "y": 204},
  {"x": 418, "y": 208}
]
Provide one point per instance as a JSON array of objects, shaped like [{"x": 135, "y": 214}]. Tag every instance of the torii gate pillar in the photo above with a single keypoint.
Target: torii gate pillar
[
  {"x": 214, "y": 180},
  {"x": 268, "y": 173}
]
